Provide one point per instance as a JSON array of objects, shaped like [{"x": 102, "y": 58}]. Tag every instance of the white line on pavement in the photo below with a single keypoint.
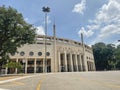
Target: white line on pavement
[
  {"x": 4, "y": 89},
  {"x": 14, "y": 79}
]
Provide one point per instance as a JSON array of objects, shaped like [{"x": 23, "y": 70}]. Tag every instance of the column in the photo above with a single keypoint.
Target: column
[
  {"x": 71, "y": 62},
  {"x": 76, "y": 62},
  {"x": 26, "y": 63},
  {"x": 16, "y": 68},
  {"x": 85, "y": 63},
  {"x": 35, "y": 65},
  {"x": 94, "y": 68},
  {"x": 43, "y": 65},
  {"x": 88, "y": 65},
  {"x": 81, "y": 63},
  {"x": 65, "y": 60},
  {"x": 6, "y": 70},
  {"x": 59, "y": 62},
  {"x": 91, "y": 66}
]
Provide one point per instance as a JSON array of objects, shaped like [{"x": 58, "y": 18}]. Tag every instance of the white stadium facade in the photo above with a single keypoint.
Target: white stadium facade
[
  {"x": 62, "y": 55},
  {"x": 53, "y": 54}
]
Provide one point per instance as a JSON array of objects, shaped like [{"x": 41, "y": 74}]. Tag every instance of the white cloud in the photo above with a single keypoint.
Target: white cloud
[
  {"x": 80, "y": 7},
  {"x": 109, "y": 13},
  {"x": 40, "y": 30},
  {"x": 89, "y": 30},
  {"x": 86, "y": 33},
  {"x": 107, "y": 21},
  {"x": 92, "y": 27},
  {"x": 116, "y": 43}
]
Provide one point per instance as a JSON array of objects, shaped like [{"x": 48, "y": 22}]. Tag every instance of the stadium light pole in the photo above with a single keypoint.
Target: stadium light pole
[{"x": 45, "y": 10}]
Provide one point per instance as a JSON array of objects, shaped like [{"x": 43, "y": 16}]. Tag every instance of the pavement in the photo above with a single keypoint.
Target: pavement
[
  {"x": 3, "y": 78},
  {"x": 107, "y": 80},
  {"x": 10, "y": 77}
]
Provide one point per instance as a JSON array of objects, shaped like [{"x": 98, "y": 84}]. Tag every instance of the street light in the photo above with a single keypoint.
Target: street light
[{"x": 45, "y": 10}]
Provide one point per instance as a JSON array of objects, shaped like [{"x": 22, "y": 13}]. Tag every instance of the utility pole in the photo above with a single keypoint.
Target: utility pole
[
  {"x": 54, "y": 46},
  {"x": 84, "y": 63},
  {"x": 83, "y": 50},
  {"x": 45, "y": 10}
]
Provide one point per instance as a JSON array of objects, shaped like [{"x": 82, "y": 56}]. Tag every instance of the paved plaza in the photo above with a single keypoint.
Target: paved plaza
[{"x": 109, "y": 80}]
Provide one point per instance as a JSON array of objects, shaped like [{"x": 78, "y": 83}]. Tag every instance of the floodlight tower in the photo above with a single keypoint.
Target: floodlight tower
[{"x": 46, "y": 10}]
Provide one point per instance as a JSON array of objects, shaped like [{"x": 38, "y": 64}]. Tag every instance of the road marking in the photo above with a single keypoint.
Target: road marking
[
  {"x": 39, "y": 84},
  {"x": 12, "y": 83},
  {"x": 14, "y": 79},
  {"x": 4, "y": 89}
]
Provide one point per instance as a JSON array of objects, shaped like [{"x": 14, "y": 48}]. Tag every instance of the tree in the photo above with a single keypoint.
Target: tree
[
  {"x": 107, "y": 57},
  {"x": 99, "y": 51},
  {"x": 12, "y": 65},
  {"x": 117, "y": 56},
  {"x": 112, "y": 62},
  {"x": 14, "y": 32}
]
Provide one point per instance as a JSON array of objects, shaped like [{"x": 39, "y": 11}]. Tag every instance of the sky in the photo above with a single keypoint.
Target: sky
[{"x": 98, "y": 20}]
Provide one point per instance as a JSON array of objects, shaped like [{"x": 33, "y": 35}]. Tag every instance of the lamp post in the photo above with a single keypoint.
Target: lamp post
[{"x": 45, "y": 10}]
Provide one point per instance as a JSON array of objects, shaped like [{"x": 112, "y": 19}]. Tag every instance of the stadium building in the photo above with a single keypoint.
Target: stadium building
[{"x": 62, "y": 55}]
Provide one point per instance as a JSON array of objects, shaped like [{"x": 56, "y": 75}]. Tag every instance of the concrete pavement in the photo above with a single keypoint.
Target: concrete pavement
[
  {"x": 109, "y": 80},
  {"x": 83, "y": 81}
]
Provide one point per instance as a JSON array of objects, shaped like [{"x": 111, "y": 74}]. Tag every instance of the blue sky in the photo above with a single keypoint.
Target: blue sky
[{"x": 98, "y": 20}]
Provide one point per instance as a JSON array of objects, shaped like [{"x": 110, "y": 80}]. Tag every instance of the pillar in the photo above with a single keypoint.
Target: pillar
[
  {"x": 84, "y": 63},
  {"x": 65, "y": 60},
  {"x": 76, "y": 62},
  {"x": 59, "y": 62},
  {"x": 81, "y": 63},
  {"x": 71, "y": 62},
  {"x": 35, "y": 65},
  {"x": 6, "y": 70},
  {"x": 26, "y": 63},
  {"x": 16, "y": 70},
  {"x": 43, "y": 65},
  {"x": 78, "y": 59}
]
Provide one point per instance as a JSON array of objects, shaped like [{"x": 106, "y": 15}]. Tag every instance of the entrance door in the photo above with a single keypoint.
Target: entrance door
[
  {"x": 39, "y": 64},
  {"x": 48, "y": 65}
]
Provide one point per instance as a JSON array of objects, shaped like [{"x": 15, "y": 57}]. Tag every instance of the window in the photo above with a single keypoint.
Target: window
[
  {"x": 12, "y": 54},
  {"x": 22, "y": 53},
  {"x": 87, "y": 57},
  {"x": 31, "y": 53},
  {"x": 30, "y": 62},
  {"x": 47, "y": 53},
  {"x": 39, "y": 53}
]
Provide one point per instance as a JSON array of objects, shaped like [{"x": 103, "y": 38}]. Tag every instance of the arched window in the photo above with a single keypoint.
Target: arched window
[
  {"x": 47, "y": 53},
  {"x": 39, "y": 53},
  {"x": 31, "y": 53},
  {"x": 22, "y": 53}
]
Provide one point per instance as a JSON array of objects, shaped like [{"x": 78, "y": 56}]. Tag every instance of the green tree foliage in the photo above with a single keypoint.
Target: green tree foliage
[
  {"x": 14, "y": 32},
  {"x": 107, "y": 57},
  {"x": 13, "y": 65},
  {"x": 117, "y": 56}
]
